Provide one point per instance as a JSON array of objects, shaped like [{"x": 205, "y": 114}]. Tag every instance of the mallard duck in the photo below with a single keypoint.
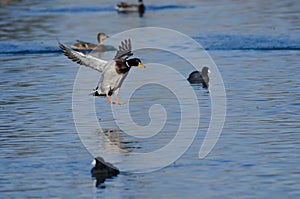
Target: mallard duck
[
  {"x": 113, "y": 72},
  {"x": 127, "y": 7},
  {"x": 82, "y": 45},
  {"x": 202, "y": 77}
]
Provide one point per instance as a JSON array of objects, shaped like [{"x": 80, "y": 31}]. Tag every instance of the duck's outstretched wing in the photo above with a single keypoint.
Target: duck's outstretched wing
[
  {"x": 124, "y": 50},
  {"x": 82, "y": 59}
]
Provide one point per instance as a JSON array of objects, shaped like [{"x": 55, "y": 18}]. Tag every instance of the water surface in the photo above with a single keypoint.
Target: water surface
[{"x": 256, "y": 48}]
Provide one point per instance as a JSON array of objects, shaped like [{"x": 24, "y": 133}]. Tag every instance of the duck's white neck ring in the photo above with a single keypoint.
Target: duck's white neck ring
[{"x": 127, "y": 64}]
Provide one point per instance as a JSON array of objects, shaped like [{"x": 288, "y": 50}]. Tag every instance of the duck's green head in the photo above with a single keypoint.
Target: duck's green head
[{"x": 135, "y": 62}]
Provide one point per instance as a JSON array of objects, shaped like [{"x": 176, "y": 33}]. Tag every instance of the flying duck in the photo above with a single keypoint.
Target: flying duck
[
  {"x": 202, "y": 77},
  {"x": 82, "y": 45},
  {"x": 113, "y": 72},
  {"x": 124, "y": 7}
]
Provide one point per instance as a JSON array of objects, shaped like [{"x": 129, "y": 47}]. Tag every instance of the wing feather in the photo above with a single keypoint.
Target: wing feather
[
  {"x": 82, "y": 59},
  {"x": 80, "y": 41},
  {"x": 124, "y": 50}
]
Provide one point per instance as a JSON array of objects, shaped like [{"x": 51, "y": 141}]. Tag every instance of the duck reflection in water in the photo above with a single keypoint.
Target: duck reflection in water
[{"x": 121, "y": 140}]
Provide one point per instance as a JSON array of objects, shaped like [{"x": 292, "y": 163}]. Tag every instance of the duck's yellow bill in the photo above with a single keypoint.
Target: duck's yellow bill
[{"x": 141, "y": 65}]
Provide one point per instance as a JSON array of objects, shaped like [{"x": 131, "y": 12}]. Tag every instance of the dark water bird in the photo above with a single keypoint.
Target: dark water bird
[
  {"x": 103, "y": 170},
  {"x": 113, "y": 72},
  {"x": 82, "y": 45},
  {"x": 124, "y": 7},
  {"x": 202, "y": 77}
]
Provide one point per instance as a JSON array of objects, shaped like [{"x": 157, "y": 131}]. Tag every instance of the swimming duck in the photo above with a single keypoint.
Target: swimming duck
[
  {"x": 103, "y": 170},
  {"x": 82, "y": 45},
  {"x": 202, "y": 77},
  {"x": 113, "y": 72},
  {"x": 102, "y": 167},
  {"x": 124, "y": 7}
]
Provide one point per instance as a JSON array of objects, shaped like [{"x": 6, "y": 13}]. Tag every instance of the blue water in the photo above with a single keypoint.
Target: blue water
[{"x": 254, "y": 44}]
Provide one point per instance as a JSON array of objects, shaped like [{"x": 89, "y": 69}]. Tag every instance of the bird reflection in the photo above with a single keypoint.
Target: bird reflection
[{"x": 120, "y": 139}]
